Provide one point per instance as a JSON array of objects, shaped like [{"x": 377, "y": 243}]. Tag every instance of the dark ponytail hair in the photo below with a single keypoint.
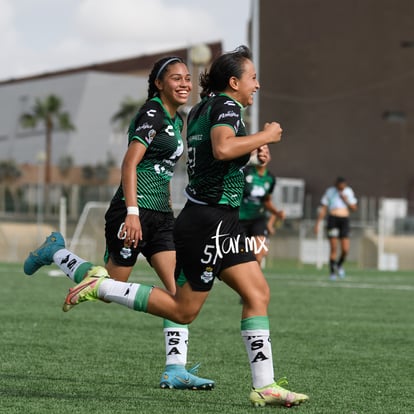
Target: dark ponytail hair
[
  {"x": 158, "y": 71},
  {"x": 222, "y": 69}
]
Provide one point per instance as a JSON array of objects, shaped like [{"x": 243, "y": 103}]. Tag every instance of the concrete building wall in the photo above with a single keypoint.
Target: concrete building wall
[
  {"x": 329, "y": 71},
  {"x": 91, "y": 99}
]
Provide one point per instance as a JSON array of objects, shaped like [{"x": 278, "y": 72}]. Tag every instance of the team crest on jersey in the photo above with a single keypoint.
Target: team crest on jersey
[
  {"x": 207, "y": 275},
  {"x": 150, "y": 136}
]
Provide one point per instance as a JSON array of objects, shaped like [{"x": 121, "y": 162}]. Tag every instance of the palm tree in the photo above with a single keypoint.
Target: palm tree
[
  {"x": 49, "y": 112},
  {"x": 127, "y": 111},
  {"x": 9, "y": 172}
]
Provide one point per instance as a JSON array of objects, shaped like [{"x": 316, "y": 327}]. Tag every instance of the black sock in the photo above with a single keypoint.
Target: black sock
[
  {"x": 341, "y": 260},
  {"x": 332, "y": 265}
]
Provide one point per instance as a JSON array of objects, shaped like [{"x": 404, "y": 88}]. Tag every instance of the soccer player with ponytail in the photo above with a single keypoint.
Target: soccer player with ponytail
[{"x": 140, "y": 218}]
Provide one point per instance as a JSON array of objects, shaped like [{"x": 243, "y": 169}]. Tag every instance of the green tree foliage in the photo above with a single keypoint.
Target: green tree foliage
[
  {"x": 129, "y": 107},
  {"x": 9, "y": 170},
  {"x": 47, "y": 111}
]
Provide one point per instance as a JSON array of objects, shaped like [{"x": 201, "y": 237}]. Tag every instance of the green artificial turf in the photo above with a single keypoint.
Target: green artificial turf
[{"x": 347, "y": 344}]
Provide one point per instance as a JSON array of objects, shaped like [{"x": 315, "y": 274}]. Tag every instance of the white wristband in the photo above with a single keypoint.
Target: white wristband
[{"x": 133, "y": 210}]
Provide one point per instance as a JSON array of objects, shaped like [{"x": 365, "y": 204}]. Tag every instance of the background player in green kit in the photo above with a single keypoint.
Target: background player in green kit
[
  {"x": 207, "y": 232},
  {"x": 257, "y": 202},
  {"x": 139, "y": 218}
]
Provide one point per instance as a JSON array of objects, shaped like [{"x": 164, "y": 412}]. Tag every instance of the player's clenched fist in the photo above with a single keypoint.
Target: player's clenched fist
[{"x": 274, "y": 130}]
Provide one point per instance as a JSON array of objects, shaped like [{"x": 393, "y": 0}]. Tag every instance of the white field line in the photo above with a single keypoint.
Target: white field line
[{"x": 344, "y": 285}]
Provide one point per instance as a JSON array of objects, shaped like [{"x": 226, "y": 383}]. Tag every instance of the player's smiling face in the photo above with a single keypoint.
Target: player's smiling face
[
  {"x": 175, "y": 86},
  {"x": 247, "y": 85}
]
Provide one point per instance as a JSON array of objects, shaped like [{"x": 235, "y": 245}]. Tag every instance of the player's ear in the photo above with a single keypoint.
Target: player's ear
[
  {"x": 159, "y": 84},
  {"x": 234, "y": 83}
]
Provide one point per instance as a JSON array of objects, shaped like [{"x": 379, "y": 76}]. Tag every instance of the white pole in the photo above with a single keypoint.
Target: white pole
[
  {"x": 302, "y": 235},
  {"x": 319, "y": 247},
  {"x": 63, "y": 216},
  {"x": 255, "y": 7},
  {"x": 381, "y": 235},
  {"x": 39, "y": 195}
]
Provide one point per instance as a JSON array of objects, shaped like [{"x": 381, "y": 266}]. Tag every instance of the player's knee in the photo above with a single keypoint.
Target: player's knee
[
  {"x": 265, "y": 295},
  {"x": 258, "y": 299},
  {"x": 185, "y": 316}
]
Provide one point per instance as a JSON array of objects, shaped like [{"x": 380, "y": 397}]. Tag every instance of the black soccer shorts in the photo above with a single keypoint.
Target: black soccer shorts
[
  {"x": 338, "y": 227},
  {"x": 208, "y": 239},
  {"x": 157, "y": 234}
]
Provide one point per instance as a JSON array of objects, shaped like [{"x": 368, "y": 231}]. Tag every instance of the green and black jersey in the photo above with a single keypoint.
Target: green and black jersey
[
  {"x": 212, "y": 181},
  {"x": 256, "y": 189},
  {"x": 161, "y": 135}
]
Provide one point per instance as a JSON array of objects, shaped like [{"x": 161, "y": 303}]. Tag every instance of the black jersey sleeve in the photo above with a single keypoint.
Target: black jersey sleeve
[
  {"x": 147, "y": 123},
  {"x": 226, "y": 111}
]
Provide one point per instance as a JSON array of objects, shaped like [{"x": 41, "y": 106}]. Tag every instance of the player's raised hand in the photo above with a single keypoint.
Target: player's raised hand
[{"x": 274, "y": 130}]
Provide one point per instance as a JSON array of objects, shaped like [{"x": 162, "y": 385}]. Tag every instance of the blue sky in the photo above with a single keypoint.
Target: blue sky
[{"x": 46, "y": 35}]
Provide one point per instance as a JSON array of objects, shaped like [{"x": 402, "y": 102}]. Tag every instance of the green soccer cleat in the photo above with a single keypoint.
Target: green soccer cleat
[
  {"x": 177, "y": 377},
  {"x": 274, "y": 394},
  {"x": 43, "y": 255},
  {"x": 87, "y": 290}
]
